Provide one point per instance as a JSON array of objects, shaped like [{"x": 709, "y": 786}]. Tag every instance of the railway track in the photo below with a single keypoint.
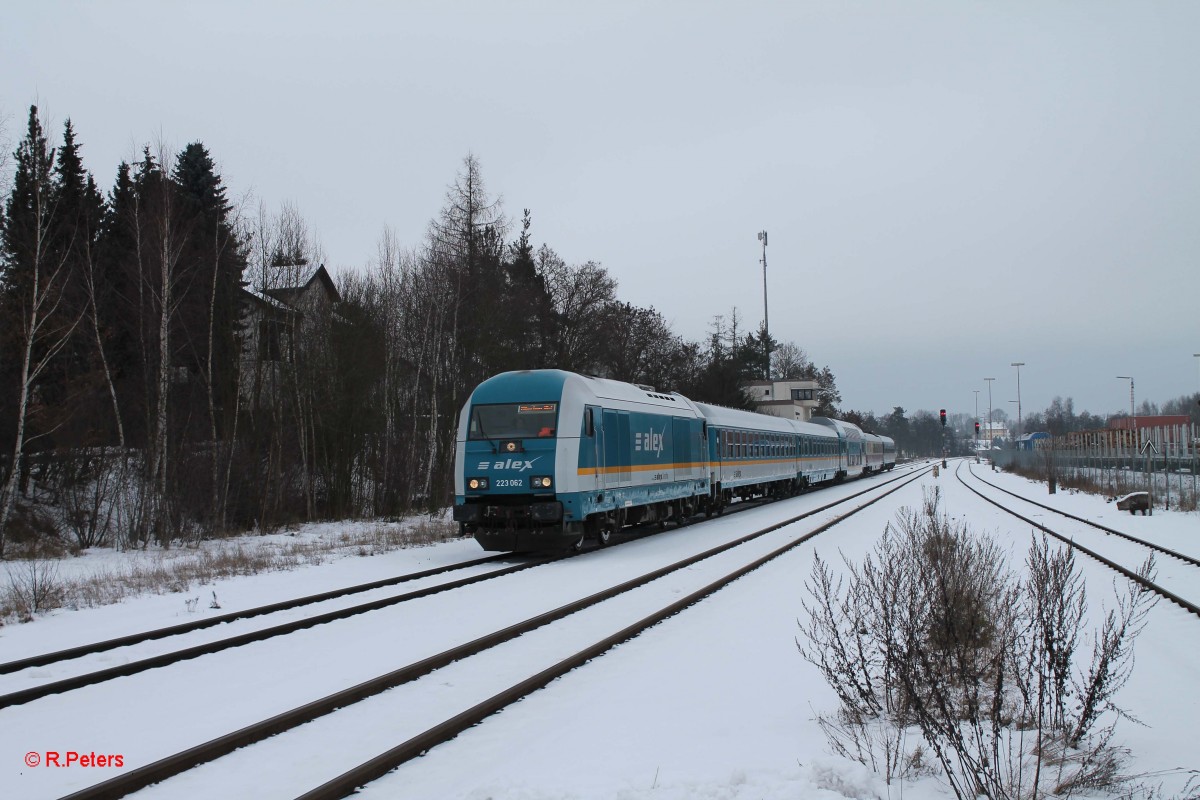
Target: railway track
[
  {"x": 446, "y": 729},
  {"x": 46, "y": 659},
  {"x": 1072, "y": 542},
  {"x": 1195, "y": 562},
  {"x": 21, "y": 696},
  {"x": 135, "y": 666}
]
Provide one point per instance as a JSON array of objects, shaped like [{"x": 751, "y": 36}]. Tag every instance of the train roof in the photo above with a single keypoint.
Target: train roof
[
  {"x": 555, "y": 384},
  {"x": 738, "y": 418},
  {"x": 846, "y": 430}
]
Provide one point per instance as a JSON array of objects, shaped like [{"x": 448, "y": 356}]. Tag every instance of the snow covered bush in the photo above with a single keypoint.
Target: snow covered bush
[
  {"x": 33, "y": 587},
  {"x": 946, "y": 660}
]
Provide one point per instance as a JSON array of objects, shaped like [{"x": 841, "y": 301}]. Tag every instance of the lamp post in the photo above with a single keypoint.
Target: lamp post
[
  {"x": 976, "y": 419},
  {"x": 762, "y": 237},
  {"x": 1017, "y": 440},
  {"x": 1195, "y": 444},
  {"x": 1132, "y": 418},
  {"x": 989, "y": 433},
  {"x": 1018, "y": 365},
  {"x": 1197, "y": 356}
]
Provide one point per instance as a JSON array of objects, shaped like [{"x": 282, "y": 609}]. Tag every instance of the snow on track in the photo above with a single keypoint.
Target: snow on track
[{"x": 712, "y": 703}]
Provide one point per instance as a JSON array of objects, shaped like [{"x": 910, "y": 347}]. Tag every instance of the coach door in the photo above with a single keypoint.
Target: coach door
[
  {"x": 611, "y": 447},
  {"x": 591, "y": 447}
]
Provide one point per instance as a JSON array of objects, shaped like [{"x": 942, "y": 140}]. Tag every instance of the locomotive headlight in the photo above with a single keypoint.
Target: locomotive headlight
[
  {"x": 477, "y": 483},
  {"x": 541, "y": 483}
]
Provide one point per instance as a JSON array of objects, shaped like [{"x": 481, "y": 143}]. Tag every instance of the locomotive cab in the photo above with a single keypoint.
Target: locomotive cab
[{"x": 507, "y": 495}]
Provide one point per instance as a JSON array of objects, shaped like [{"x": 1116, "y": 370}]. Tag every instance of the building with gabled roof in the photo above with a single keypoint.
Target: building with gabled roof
[{"x": 281, "y": 323}]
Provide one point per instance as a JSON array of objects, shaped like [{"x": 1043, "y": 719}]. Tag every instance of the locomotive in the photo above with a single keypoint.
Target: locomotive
[{"x": 549, "y": 459}]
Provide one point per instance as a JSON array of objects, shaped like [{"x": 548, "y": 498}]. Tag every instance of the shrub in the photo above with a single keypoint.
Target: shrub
[
  {"x": 933, "y": 635},
  {"x": 33, "y": 587}
]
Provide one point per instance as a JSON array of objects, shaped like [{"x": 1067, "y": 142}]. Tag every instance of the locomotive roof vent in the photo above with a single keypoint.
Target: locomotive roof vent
[{"x": 651, "y": 393}]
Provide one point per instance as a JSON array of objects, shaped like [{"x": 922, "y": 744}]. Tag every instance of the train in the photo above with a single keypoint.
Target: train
[{"x": 549, "y": 459}]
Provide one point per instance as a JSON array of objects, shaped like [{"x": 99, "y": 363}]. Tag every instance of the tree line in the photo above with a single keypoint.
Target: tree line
[{"x": 165, "y": 372}]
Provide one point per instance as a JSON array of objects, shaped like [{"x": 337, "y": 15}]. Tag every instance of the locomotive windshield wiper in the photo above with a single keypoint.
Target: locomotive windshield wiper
[{"x": 483, "y": 433}]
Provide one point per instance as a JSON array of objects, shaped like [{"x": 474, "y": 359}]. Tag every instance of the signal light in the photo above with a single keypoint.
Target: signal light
[
  {"x": 976, "y": 428},
  {"x": 943, "y": 415}
]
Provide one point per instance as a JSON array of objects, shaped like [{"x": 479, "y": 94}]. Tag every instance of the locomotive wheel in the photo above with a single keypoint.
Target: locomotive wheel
[
  {"x": 605, "y": 535},
  {"x": 578, "y": 546}
]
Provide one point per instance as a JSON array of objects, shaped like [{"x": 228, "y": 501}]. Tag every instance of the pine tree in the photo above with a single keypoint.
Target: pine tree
[
  {"x": 214, "y": 260},
  {"x": 73, "y": 382},
  {"x": 121, "y": 306},
  {"x": 208, "y": 338},
  {"x": 35, "y": 322}
]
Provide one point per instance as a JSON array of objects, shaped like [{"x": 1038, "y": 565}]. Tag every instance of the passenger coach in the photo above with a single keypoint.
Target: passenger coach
[{"x": 753, "y": 454}]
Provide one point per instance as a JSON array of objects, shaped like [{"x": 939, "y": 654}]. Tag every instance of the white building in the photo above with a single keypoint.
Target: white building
[
  {"x": 998, "y": 430},
  {"x": 791, "y": 399}
]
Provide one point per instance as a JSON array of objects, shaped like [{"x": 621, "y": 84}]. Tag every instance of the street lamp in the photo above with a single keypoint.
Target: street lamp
[
  {"x": 976, "y": 418},
  {"x": 762, "y": 237},
  {"x": 1018, "y": 365},
  {"x": 989, "y": 433},
  {"x": 1017, "y": 441}
]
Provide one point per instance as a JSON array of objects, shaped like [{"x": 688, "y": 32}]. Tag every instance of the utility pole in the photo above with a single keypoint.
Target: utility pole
[
  {"x": 1018, "y": 365},
  {"x": 976, "y": 419},
  {"x": 989, "y": 430},
  {"x": 762, "y": 237},
  {"x": 1132, "y": 418}
]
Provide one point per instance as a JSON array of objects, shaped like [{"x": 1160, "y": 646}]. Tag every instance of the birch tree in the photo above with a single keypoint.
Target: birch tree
[{"x": 36, "y": 324}]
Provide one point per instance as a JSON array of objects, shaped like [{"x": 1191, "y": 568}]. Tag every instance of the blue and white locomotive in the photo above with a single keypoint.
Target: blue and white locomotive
[{"x": 548, "y": 459}]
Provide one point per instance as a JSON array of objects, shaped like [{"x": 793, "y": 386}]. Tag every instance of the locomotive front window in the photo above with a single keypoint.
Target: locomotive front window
[{"x": 513, "y": 421}]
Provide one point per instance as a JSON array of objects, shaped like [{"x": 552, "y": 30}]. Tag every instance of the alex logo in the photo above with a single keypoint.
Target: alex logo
[
  {"x": 513, "y": 463},
  {"x": 649, "y": 442}
]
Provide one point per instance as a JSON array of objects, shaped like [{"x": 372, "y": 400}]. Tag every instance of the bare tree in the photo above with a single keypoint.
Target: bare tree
[
  {"x": 162, "y": 238},
  {"x": 35, "y": 280},
  {"x": 580, "y": 296},
  {"x": 5, "y": 158},
  {"x": 931, "y": 632},
  {"x": 789, "y": 362}
]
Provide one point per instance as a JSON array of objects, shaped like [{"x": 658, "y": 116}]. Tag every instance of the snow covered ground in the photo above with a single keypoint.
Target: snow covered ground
[{"x": 713, "y": 703}]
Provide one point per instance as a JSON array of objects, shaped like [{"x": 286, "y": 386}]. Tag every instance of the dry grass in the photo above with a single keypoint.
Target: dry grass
[
  {"x": 36, "y": 586},
  {"x": 1113, "y": 483}
]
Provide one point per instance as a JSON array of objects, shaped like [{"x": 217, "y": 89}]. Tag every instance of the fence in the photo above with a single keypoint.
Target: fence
[{"x": 1164, "y": 461}]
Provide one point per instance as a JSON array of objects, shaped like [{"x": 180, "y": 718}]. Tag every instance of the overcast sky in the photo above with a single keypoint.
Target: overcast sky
[{"x": 948, "y": 187}]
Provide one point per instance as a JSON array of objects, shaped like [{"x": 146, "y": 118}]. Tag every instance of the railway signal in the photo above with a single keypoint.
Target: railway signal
[
  {"x": 977, "y": 429},
  {"x": 943, "y": 415}
]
